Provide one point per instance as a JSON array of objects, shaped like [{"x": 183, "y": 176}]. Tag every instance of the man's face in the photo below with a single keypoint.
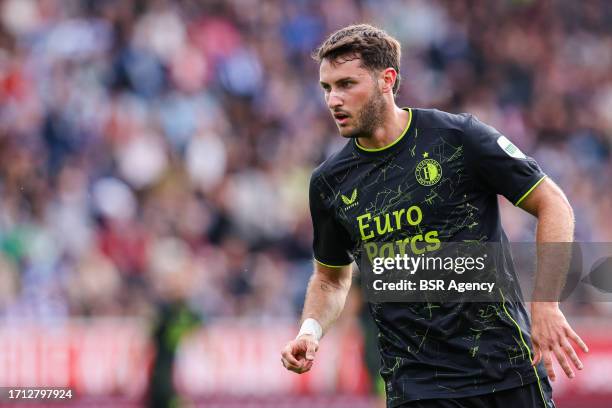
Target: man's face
[{"x": 353, "y": 96}]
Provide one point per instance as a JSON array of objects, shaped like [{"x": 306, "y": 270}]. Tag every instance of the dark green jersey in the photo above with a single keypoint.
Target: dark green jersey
[{"x": 438, "y": 182}]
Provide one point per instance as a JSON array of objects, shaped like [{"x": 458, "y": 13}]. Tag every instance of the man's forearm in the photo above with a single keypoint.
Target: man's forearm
[
  {"x": 555, "y": 232},
  {"x": 325, "y": 297},
  {"x": 550, "y": 332}
]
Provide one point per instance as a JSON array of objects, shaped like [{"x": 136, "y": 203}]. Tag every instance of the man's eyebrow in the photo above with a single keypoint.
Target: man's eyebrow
[{"x": 343, "y": 79}]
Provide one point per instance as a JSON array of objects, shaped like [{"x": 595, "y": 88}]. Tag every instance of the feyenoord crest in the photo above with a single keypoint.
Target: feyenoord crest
[{"x": 428, "y": 172}]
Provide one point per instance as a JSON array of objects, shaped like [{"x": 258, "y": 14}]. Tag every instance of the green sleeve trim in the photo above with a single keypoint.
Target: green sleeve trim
[
  {"x": 529, "y": 191},
  {"x": 522, "y": 339},
  {"x": 331, "y": 266},
  {"x": 396, "y": 141}
]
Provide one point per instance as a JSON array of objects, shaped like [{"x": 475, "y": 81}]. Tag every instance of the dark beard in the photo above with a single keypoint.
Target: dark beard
[{"x": 369, "y": 117}]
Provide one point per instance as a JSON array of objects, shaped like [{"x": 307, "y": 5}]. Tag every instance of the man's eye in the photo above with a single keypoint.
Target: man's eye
[{"x": 346, "y": 84}]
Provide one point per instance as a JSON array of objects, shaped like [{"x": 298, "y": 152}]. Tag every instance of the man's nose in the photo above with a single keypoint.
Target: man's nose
[{"x": 334, "y": 101}]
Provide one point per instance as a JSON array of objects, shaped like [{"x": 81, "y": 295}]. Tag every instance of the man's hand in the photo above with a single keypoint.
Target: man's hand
[
  {"x": 299, "y": 354},
  {"x": 551, "y": 335}
]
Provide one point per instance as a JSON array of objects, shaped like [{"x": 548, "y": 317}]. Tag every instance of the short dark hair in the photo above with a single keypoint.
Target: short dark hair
[{"x": 376, "y": 49}]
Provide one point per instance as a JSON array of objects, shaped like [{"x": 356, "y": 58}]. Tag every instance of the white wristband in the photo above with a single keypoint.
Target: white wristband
[{"x": 311, "y": 326}]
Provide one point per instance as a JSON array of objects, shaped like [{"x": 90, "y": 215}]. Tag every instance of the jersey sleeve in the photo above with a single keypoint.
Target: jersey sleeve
[
  {"x": 497, "y": 164},
  {"x": 331, "y": 243}
]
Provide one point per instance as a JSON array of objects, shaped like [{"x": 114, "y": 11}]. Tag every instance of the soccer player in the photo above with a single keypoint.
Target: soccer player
[{"x": 429, "y": 177}]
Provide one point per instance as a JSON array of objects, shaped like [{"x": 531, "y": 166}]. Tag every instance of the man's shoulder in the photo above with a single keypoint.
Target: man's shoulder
[
  {"x": 437, "y": 119},
  {"x": 337, "y": 161}
]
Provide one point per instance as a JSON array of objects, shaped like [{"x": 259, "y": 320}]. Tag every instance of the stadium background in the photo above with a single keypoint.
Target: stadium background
[{"x": 154, "y": 164}]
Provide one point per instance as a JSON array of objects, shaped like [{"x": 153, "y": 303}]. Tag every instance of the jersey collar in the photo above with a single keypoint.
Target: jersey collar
[{"x": 390, "y": 145}]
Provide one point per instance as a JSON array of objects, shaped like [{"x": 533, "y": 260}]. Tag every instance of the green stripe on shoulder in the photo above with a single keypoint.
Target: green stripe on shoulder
[
  {"x": 330, "y": 266},
  {"x": 529, "y": 191}
]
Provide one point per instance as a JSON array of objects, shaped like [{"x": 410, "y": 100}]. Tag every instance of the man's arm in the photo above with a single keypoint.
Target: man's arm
[
  {"x": 550, "y": 331},
  {"x": 325, "y": 297}
]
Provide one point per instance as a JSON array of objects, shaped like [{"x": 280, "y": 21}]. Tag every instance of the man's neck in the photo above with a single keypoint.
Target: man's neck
[{"x": 392, "y": 126}]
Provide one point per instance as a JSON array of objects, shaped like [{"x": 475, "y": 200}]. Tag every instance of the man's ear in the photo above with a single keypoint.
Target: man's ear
[{"x": 388, "y": 78}]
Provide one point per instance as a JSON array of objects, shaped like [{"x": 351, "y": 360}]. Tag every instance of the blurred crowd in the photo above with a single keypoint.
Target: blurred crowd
[{"x": 159, "y": 150}]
